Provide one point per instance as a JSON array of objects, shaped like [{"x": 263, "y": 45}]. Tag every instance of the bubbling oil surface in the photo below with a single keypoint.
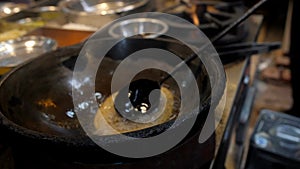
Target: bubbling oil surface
[
  {"x": 58, "y": 114},
  {"x": 114, "y": 123},
  {"x": 108, "y": 121}
]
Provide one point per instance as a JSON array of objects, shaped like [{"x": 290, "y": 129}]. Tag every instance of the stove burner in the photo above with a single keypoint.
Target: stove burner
[{"x": 212, "y": 17}]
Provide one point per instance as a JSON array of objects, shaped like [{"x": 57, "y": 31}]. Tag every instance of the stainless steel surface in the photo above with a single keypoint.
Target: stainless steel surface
[
  {"x": 15, "y": 52},
  {"x": 8, "y": 8},
  {"x": 97, "y": 13},
  {"x": 141, "y": 26}
]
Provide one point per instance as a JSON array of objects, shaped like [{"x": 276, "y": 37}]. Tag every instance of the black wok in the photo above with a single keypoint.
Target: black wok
[{"x": 39, "y": 90}]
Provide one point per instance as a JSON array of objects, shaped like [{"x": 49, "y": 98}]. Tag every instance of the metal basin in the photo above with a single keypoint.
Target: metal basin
[
  {"x": 98, "y": 13},
  {"x": 136, "y": 26}
]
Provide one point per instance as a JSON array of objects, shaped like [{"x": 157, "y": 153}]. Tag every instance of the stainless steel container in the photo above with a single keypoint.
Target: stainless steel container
[
  {"x": 8, "y": 8},
  {"x": 98, "y": 13}
]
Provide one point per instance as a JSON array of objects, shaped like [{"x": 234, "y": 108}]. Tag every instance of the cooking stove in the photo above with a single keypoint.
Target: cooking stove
[{"x": 213, "y": 17}]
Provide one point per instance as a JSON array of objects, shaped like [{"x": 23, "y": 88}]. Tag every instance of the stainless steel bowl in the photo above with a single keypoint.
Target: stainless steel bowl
[
  {"x": 15, "y": 52},
  {"x": 149, "y": 28},
  {"x": 9, "y": 8},
  {"x": 98, "y": 13}
]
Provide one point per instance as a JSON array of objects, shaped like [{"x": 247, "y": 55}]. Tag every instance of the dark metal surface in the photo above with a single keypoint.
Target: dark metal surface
[{"x": 47, "y": 78}]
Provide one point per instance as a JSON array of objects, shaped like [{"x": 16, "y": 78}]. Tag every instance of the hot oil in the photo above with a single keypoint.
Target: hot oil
[
  {"x": 55, "y": 107},
  {"x": 58, "y": 114},
  {"x": 114, "y": 123}
]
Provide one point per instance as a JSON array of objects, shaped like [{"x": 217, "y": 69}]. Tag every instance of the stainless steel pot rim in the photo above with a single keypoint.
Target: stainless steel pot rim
[
  {"x": 8, "y": 47},
  {"x": 131, "y": 5},
  {"x": 8, "y": 8},
  {"x": 164, "y": 26}
]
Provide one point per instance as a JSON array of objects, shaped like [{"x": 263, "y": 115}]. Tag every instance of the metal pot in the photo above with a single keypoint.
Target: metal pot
[{"x": 98, "y": 13}]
